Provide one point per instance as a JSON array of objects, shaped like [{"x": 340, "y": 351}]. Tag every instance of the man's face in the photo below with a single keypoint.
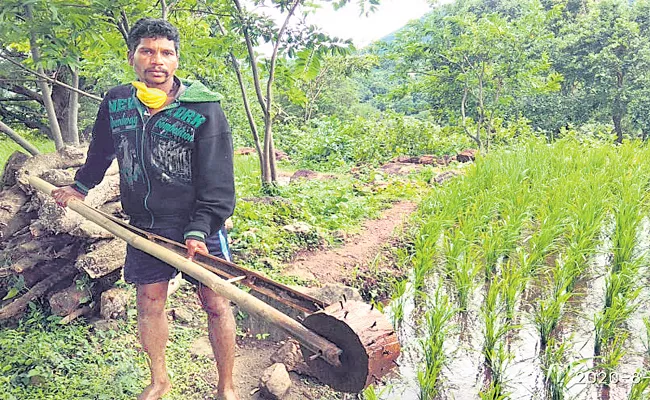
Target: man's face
[{"x": 154, "y": 60}]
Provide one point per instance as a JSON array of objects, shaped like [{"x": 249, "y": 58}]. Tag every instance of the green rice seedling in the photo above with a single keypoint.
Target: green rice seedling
[
  {"x": 640, "y": 385},
  {"x": 547, "y": 314},
  {"x": 423, "y": 261},
  {"x": 398, "y": 299},
  {"x": 438, "y": 326},
  {"x": 499, "y": 361},
  {"x": 493, "y": 392},
  {"x": 463, "y": 277},
  {"x": 558, "y": 373},
  {"x": 622, "y": 284},
  {"x": 496, "y": 325},
  {"x": 514, "y": 282},
  {"x": 609, "y": 360},
  {"x": 628, "y": 216},
  {"x": 493, "y": 243},
  {"x": 608, "y": 324}
]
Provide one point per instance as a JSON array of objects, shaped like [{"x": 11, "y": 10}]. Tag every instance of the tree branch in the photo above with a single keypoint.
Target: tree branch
[
  {"x": 21, "y": 91},
  {"x": 19, "y": 139},
  {"x": 253, "y": 60},
  {"x": 47, "y": 78}
]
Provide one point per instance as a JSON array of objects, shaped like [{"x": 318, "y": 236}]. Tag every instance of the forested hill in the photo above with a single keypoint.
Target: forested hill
[
  {"x": 500, "y": 66},
  {"x": 472, "y": 72}
]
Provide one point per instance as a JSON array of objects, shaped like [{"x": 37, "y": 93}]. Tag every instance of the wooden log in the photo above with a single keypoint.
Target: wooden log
[
  {"x": 369, "y": 343},
  {"x": 67, "y": 157},
  {"x": 12, "y": 218},
  {"x": 13, "y": 164},
  {"x": 19, "y": 305},
  {"x": 248, "y": 303},
  {"x": 79, "y": 312},
  {"x": 58, "y": 177},
  {"x": 102, "y": 258},
  {"x": 57, "y": 219}
]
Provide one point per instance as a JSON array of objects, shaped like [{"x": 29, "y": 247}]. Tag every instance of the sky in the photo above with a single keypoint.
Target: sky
[{"x": 346, "y": 23}]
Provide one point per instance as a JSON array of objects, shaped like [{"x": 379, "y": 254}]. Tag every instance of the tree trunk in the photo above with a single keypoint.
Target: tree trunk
[
  {"x": 247, "y": 107},
  {"x": 73, "y": 109},
  {"x": 618, "y": 128},
  {"x": 45, "y": 89},
  {"x": 266, "y": 173},
  {"x": 18, "y": 139},
  {"x": 61, "y": 101}
]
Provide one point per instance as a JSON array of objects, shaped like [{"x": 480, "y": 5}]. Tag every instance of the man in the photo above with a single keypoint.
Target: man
[{"x": 174, "y": 150}]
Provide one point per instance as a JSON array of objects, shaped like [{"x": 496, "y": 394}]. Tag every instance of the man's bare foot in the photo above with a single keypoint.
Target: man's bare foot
[
  {"x": 225, "y": 394},
  {"x": 155, "y": 391}
]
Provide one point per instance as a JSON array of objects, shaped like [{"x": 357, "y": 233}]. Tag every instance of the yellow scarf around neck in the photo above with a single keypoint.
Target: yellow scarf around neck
[{"x": 150, "y": 97}]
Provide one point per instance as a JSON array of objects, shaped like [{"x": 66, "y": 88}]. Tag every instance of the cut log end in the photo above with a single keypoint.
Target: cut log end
[{"x": 369, "y": 343}]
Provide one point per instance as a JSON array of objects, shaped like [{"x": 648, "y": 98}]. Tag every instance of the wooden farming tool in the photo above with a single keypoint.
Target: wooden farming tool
[{"x": 348, "y": 345}]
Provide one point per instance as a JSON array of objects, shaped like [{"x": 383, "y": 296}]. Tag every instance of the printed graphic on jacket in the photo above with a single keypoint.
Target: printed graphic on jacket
[
  {"x": 130, "y": 168},
  {"x": 172, "y": 141}
]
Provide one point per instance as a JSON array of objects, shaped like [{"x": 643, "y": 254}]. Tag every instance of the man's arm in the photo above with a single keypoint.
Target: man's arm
[{"x": 213, "y": 179}]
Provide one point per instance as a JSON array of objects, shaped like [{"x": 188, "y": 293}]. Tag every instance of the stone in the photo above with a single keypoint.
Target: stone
[
  {"x": 275, "y": 382},
  {"x": 102, "y": 325},
  {"x": 67, "y": 300},
  {"x": 427, "y": 160},
  {"x": 113, "y": 303},
  {"x": 466, "y": 155},
  {"x": 299, "y": 228},
  {"x": 182, "y": 315},
  {"x": 330, "y": 293},
  {"x": 244, "y": 151},
  {"x": 202, "y": 348},
  {"x": 291, "y": 356},
  {"x": 445, "y": 176}
]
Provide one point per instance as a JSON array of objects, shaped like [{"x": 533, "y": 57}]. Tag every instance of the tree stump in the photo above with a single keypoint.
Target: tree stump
[{"x": 369, "y": 343}]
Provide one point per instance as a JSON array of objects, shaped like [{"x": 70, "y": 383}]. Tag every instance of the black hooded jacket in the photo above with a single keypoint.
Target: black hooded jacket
[{"x": 176, "y": 167}]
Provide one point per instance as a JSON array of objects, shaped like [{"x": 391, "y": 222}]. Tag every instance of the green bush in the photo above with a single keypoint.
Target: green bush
[{"x": 330, "y": 143}]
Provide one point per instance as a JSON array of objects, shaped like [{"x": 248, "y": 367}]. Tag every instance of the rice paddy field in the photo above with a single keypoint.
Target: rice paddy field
[{"x": 529, "y": 279}]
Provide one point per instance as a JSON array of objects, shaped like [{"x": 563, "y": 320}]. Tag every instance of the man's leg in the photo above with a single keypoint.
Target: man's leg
[
  {"x": 221, "y": 330},
  {"x": 154, "y": 331}
]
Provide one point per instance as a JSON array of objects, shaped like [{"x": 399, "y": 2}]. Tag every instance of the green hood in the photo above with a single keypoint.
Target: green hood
[{"x": 196, "y": 92}]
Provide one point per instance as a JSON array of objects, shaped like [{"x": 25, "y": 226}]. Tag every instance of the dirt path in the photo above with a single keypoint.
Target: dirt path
[
  {"x": 329, "y": 266},
  {"x": 335, "y": 265}
]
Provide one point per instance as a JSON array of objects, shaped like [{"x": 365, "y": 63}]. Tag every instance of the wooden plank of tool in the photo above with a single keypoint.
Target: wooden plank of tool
[{"x": 319, "y": 345}]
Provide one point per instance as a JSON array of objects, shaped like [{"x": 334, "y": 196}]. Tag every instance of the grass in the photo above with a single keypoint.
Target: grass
[
  {"x": 8, "y": 146},
  {"x": 43, "y": 360}
]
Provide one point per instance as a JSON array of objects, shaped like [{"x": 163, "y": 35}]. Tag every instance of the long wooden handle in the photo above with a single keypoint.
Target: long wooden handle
[{"x": 314, "y": 342}]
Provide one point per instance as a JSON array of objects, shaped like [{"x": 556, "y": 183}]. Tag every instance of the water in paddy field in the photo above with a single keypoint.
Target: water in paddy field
[{"x": 464, "y": 374}]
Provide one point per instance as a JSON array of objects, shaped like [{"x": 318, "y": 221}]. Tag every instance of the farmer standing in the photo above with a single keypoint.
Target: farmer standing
[{"x": 174, "y": 150}]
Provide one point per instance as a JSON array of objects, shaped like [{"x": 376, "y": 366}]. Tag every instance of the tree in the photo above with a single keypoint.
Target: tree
[
  {"x": 479, "y": 64},
  {"x": 246, "y": 30},
  {"x": 607, "y": 56}
]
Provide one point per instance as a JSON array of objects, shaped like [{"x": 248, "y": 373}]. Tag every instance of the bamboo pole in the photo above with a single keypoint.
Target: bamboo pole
[{"x": 314, "y": 342}]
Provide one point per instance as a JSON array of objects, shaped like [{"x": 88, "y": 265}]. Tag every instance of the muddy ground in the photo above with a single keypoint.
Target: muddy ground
[{"x": 357, "y": 254}]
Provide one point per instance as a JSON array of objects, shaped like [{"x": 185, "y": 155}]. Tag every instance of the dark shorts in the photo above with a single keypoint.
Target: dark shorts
[{"x": 140, "y": 268}]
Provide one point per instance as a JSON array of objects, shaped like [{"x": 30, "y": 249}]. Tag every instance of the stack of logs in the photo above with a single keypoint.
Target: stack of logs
[{"x": 48, "y": 253}]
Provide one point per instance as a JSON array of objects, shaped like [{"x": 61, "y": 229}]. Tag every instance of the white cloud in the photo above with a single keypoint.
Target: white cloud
[{"x": 346, "y": 23}]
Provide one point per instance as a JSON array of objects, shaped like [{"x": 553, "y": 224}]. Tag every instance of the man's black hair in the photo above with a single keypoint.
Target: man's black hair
[{"x": 152, "y": 28}]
